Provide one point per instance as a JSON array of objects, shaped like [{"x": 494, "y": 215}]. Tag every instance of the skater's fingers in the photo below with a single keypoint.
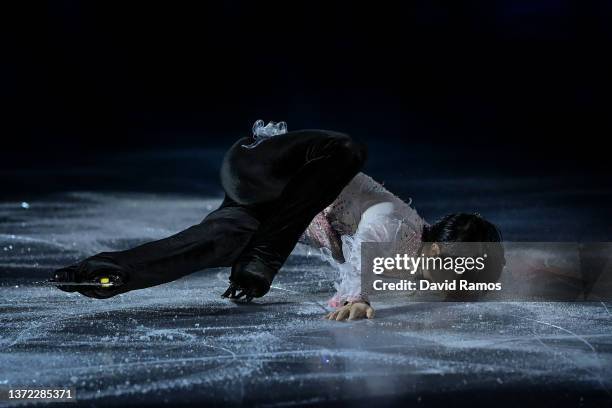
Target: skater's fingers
[
  {"x": 332, "y": 315},
  {"x": 370, "y": 313},
  {"x": 356, "y": 313},
  {"x": 343, "y": 314}
]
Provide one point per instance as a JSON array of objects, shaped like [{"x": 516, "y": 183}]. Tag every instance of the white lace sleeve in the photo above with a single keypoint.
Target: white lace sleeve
[{"x": 379, "y": 223}]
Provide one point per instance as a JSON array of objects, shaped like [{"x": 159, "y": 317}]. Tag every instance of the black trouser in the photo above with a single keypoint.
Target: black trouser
[{"x": 273, "y": 191}]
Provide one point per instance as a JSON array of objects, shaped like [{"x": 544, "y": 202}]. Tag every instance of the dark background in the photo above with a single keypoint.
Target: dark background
[{"x": 495, "y": 100}]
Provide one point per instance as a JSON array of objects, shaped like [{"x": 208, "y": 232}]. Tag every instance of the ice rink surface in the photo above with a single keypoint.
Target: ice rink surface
[{"x": 181, "y": 343}]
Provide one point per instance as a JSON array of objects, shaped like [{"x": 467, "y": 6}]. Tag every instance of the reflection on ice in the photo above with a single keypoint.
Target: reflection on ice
[{"x": 181, "y": 341}]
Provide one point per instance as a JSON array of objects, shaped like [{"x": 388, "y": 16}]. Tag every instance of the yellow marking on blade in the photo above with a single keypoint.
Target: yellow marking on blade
[{"x": 105, "y": 282}]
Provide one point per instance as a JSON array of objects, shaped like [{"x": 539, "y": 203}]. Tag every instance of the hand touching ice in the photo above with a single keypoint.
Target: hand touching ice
[{"x": 352, "y": 311}]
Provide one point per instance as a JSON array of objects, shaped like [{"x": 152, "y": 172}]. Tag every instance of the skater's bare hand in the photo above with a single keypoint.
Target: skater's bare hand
[{"x": 352, "y": 311}]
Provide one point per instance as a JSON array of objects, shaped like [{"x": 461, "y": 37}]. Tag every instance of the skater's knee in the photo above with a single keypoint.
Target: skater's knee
[
  {"x": 228, "y": 231},
  {"x": 350, "y": 151},
  {"x": 229, "y": 221}
]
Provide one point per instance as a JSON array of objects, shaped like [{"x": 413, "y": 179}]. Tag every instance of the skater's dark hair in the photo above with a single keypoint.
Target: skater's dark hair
[{"x": 462, "y": 227}]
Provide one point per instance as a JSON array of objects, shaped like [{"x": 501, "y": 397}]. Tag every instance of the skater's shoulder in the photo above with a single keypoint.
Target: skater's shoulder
[
  {"x": 366, "y": 183},
  {"x": 368, "y": 187}
]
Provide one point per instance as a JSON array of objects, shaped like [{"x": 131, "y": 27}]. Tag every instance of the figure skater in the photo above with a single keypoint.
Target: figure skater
[{"x": 282, "y": 188}]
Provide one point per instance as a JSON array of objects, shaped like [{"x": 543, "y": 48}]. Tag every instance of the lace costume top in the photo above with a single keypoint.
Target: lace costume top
[{"x": 364, "y": 211}]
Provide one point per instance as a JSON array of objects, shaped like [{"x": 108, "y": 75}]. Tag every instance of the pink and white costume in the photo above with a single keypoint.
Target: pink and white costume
[{"x": 365, "y": 211}]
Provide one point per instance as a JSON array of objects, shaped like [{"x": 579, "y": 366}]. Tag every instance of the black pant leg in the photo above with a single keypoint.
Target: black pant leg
[
  {"x": 216, "y": 242},
  {"x": 330, "y": 166},
  {"x": 329, "y": 163},
  {"x": 258, "y": 176},
  {"x": 273, "y": 192}
]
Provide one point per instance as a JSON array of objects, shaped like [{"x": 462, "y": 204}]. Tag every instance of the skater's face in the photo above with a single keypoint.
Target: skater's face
[{"x": 429, "y": 249}]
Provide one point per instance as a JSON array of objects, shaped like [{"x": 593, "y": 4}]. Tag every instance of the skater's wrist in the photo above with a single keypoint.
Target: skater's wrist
[
  {"x": 341, "y": 300},
  {"x": 356, "y": 299}
]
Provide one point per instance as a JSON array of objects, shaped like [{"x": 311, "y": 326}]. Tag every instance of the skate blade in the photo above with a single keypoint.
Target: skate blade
[
  {"x": 95, "y": 284},
  {"x": 101, "y": 282}
]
